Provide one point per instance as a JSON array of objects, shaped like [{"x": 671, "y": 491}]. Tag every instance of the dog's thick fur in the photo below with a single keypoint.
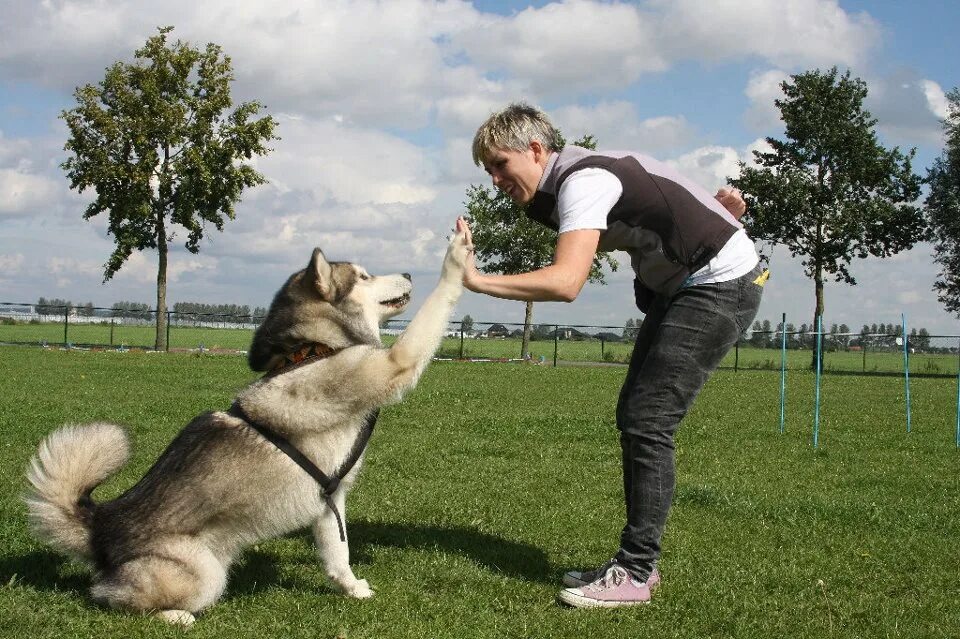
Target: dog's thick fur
[{"x": 166, "y": 545}]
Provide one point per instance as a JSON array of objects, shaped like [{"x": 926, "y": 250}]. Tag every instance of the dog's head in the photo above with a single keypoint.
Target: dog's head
[{"x": 334, "y": 303}]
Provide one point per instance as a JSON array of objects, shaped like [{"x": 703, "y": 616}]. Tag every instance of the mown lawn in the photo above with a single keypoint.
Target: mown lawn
[{"x": 490, "y": 480}]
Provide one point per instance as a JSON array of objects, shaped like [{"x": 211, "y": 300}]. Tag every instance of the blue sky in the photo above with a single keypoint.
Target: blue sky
[{"x": 377, "y": 102}]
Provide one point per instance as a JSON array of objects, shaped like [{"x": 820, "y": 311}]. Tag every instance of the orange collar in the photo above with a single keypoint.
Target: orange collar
[{"x": 305, "y": 355}]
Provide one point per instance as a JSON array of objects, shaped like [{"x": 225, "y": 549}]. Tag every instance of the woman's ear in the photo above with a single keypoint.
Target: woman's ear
[{"x": 539, "y": 152}]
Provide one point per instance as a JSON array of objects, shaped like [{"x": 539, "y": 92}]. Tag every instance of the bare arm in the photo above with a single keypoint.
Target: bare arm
[{"x": 559, "y": 282}]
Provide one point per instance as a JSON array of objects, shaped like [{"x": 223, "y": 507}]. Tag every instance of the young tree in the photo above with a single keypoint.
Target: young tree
[
  {"x": 466, "y": 324},
  {"x": 154, "y": 142},
  {"x": 844, "y": 339},
  {"x": 507, "y": 241},
  {"x": 756, "y": 336},
  {"x": 830, "y": 192},
  {"x": 943, "y": 209}
]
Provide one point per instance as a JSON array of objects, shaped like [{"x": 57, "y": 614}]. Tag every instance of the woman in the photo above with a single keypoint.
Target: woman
[{"x": 697, "y": 281}]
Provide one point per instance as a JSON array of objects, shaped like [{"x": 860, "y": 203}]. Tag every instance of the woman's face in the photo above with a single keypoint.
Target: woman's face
[{"x": 517, "y": 173}]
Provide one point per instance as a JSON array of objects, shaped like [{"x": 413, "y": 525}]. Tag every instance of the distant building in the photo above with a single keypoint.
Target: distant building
[{"x": 498, "y": 330}]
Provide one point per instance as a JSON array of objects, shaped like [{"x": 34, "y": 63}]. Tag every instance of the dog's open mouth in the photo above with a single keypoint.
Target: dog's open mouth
[{"x": 397, "y": 302}]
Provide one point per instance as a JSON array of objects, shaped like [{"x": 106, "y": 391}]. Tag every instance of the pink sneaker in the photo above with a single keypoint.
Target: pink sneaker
[
  {"x": 615, "y": 588},
  {"x": 576, "y": 579}
]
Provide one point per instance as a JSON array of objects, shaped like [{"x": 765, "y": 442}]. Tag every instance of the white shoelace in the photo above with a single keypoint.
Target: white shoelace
[{"x": 613, "y": 577}]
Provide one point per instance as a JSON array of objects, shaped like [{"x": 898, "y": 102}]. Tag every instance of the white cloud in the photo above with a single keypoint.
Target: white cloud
[
  {"x": 936, "y": 99},
  {"x": 785, "y": 33},
  {"x": 616, "y": 126},
  {"x": 347, "y": 164},
  {"x": 708, "y": 166},
  {"x": 23, "y": 193},
  {"x": 908, "y": 108},
  {"x": 10, "y": 265},
  {"x": 567, "y": 46},
  {"x": 762, "y": 89},
  {"x": 67, "y": 270}
]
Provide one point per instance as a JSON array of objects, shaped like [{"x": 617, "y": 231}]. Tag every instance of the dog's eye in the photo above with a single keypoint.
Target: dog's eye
[{"x": 364, "y": 276}]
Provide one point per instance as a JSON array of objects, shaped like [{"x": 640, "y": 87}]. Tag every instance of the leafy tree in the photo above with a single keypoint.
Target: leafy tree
[
  {"x": 943, "y": 209},
  {"x": 466, "y": 324},
  {"x": 844, "y": 337},
  {"x": 507, "y": 241},
  {"x": 756, "y": 337},
  {"x": 154, "y": 142},
  {"x": 830, "y": 192},
  {"x": 765, "y": 337},
  {"x": 792, "y": 338}
]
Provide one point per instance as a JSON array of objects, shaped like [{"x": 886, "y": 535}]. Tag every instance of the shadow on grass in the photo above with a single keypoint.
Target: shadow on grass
[
  {"x": 258, "y": 570},
  {"x": 45, "y": 570},
  {"x": 497, "y": 554}
]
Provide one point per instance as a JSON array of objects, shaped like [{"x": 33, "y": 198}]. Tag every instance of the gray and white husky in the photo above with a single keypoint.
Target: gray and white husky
[{"x": 166, "y": 545}]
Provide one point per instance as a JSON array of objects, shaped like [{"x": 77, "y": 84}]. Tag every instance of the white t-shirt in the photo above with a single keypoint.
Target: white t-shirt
[{"x": 585, "y": 200}]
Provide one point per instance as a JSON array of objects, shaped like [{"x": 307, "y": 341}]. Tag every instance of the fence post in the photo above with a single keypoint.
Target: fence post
[
  {"x": 601, "y": 349},
  {"x": 556, "y": 343},
  {"x": 461, "y": 340},
  {"x": 736, "y": 356},
  {"x": 906, "y": 365},
  {"x": 783, "y": 370},
  {"x": 66, "y": 323}
]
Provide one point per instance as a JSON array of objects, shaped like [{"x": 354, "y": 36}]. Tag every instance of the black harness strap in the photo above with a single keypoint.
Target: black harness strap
[{"x": 328, "y": 483}]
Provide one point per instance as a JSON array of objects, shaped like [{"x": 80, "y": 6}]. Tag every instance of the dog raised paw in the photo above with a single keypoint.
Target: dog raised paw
[{"x": 455, "y": 261}]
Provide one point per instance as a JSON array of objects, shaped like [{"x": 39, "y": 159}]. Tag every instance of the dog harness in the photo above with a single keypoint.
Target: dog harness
[{"x": 328, "y": 483}]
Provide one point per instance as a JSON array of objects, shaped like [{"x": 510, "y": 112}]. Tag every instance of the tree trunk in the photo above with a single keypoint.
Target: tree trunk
[
  {"x": 161, "y": 341},
  {"x": 527, "y": 325},
  {"x": 818, "y": 313}
]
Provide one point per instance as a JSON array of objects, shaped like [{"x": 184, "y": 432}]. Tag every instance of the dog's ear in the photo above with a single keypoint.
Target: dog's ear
[{"x": 320, "y": 275}]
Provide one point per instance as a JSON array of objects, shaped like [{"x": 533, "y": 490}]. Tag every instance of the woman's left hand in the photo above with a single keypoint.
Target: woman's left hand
[{"x": 732, "y": 200}]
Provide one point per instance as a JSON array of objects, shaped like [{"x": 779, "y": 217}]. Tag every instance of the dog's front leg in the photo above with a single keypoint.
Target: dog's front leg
[
  {"x": 335, "y": 554},
  {"x": 413, "y": 350}
]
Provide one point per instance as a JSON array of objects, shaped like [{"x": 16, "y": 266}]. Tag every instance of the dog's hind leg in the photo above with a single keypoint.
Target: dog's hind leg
[
  {"x": 176, "y": 580},
  {"x": 335, "y": 554}
]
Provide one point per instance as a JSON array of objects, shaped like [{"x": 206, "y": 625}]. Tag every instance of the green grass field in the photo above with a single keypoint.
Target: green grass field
[{"x": 490, "y": 480}]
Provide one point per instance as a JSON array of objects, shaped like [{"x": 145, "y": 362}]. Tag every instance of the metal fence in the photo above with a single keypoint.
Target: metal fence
[{"x": 550, "y": 344}]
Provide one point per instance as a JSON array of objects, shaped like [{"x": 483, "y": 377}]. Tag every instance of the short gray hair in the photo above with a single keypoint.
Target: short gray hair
[{"x": 514, "y": 128}]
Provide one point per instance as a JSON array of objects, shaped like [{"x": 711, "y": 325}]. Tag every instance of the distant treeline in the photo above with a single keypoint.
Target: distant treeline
[
  {"x": 197, "y": 310},
  {"x": 764, "y": 334},
  {"x": 138, "y": 310},
  {"x": 840, "y": 337}
]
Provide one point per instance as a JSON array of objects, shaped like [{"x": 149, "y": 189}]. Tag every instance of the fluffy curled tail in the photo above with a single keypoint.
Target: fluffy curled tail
[{"x": 69, "y": 464}]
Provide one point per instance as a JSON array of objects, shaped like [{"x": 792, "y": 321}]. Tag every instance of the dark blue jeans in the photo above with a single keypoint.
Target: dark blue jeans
[{"x": 679, "y": 344}]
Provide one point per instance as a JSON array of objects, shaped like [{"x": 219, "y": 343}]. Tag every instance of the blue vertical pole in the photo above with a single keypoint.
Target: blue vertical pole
[
  {"x": 906, "y": 366},
  {"x": 783, "y": 371},
  {"x": 819, "y": 364}
]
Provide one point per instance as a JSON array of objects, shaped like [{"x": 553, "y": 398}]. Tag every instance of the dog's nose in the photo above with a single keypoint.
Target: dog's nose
[{"x": 407, "y": 275}]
